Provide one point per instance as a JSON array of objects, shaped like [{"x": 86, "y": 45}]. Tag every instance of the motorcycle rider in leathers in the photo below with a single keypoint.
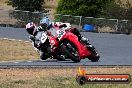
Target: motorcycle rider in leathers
[
  {"x": 35, "y": 33},
  {"x": 45, "y": 25}
]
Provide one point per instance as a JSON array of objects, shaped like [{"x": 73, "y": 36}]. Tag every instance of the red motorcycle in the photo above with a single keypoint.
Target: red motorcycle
[{"x": 66, "y": 45}]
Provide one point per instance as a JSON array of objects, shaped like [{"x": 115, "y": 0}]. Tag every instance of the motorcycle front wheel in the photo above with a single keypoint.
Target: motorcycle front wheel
[
  {"x": 43, "y": 56},
  {"x": 59, "y": 57}
]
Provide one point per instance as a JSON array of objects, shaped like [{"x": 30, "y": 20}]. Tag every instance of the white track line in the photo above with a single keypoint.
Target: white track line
[
  {"x": 29, "y": 61},
  {"x": 14, "y": 40},
  {"x": 16, "y": 62}
]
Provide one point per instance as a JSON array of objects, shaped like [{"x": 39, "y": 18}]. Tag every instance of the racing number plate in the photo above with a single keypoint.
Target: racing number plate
[
  {"x": 60, "y": 34},
  {"x": 43, "y": 37}
]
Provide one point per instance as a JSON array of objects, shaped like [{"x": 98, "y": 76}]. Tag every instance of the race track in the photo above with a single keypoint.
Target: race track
[{"x": 114, "y": 49}]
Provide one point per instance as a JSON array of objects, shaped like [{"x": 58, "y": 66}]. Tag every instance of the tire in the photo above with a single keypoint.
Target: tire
[
  {"x": 68, "y": 53},
  {"x": 43, "y": 56},
  {"x": 94, "y": 57},
  {"x": 59, "y": 57}
]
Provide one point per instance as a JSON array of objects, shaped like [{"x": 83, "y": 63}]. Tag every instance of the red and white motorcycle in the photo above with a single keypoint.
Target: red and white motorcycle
[{"x": 65, "y": 44}]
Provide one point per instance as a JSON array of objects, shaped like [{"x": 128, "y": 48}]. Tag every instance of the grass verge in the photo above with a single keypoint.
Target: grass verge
[
  {"x": 55, "y": 78},
  {"x": 16, "y": 50}
]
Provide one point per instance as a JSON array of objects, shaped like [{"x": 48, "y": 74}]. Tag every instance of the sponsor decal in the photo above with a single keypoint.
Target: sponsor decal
[{"x": 83, "y": 78}]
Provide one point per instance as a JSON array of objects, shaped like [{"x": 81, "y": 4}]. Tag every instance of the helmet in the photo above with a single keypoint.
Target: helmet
[
  {"x": 45, "y": 22},
  {"x": 30, "y": 27}
]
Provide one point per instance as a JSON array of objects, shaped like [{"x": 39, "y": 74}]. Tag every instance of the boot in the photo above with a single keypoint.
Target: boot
[{"x": 86, "y": 41}]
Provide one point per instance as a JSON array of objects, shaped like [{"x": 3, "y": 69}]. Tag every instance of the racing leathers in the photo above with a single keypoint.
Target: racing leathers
[{"x": 42, "y": 48}]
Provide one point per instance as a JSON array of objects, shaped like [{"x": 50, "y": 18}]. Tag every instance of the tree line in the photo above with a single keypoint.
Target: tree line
[{"x": 86, "y": 8}]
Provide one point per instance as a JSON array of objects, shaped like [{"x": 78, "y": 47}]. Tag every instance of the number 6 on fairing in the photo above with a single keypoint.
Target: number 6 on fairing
[{"x": 43, "y": 37}]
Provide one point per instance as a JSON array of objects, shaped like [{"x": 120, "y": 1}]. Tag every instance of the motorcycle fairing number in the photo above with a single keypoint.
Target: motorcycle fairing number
[
  {"x": 60, "y": 33},
  {"x": 43, "y": 37}
]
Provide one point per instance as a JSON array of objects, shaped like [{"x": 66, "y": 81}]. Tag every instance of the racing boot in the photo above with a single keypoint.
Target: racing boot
[{"x": 86, "y": 42}]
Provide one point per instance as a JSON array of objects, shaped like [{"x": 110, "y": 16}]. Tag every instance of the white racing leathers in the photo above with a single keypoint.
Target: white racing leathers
[{"x": 38, "y": 41}]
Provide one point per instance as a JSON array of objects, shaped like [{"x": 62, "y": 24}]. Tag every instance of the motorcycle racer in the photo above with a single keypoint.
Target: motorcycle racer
[
  {"x": 35, "y": 33},
  {"x": 45, "y": 26}
]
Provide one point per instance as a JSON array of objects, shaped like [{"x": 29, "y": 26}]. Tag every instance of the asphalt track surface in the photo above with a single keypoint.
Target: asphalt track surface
[{"x": 114, "y": 49}]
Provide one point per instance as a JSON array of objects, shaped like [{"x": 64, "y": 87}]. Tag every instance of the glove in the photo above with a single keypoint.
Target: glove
[{"x": 63, "y": 25}]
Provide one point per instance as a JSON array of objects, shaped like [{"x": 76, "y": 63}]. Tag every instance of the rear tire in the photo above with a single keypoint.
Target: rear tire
[
  {"x": 68, "y": 53},
  {"x": 94, "y": 57}
]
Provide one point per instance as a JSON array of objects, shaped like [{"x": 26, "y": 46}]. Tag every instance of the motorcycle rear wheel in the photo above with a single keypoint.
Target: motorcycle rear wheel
[
  {"x": 94, "y": 57},
  {"x": 69, "y": 54}
]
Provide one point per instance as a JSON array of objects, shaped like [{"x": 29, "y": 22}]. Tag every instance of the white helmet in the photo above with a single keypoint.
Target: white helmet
[{"x": 30, "y": 27}]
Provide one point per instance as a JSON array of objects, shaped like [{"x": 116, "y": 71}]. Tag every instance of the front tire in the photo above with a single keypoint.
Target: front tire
[
  {"x": 43, "y": 56},
  {"x": 59, "y": 57}
]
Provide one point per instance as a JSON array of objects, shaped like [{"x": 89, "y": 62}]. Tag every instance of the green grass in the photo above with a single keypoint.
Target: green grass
[
  {"x": 58, "y": 82},
  {"x": 55, "y": 78}
]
